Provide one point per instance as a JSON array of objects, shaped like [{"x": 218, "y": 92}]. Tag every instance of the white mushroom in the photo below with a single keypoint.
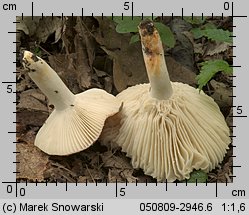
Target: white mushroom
[
  {"x": 77, "y": 120},
  {"x": 167, "y": 128}
]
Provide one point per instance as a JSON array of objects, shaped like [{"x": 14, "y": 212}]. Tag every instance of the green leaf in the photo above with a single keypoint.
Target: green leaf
[
  {"x": 37, "y": 51},
  {"x": 213, "y": 34},
  {"x": 197, "y": 20},
  {"x": 148, "y": 17},
  {"x": 219, "y": 35},
  {"x": 209, "y": 25},
  {"x": 127, "y": 24},
  {"x": 198, "y": 175},
  {"x": 197, "y": 33},
  {"x": 209, "y": 69},
  {"x": 135, "y": 38},
  {"x": 166, "y": 34}
]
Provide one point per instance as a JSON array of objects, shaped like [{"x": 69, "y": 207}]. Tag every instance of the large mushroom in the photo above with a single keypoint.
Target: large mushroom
[
  {"x": 77, "y": 120},
  {"x": 167, "y": 128}
]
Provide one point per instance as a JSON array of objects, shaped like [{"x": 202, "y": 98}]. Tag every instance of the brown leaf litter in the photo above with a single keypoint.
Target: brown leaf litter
[{"x": 93, "y": 54}]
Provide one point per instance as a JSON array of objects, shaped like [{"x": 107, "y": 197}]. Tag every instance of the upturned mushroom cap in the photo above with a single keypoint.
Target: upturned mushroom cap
[
  {"x": 79, "y": 126},
  {"x": 77, "y": 120},
  {"x": 168, "y": 138}
]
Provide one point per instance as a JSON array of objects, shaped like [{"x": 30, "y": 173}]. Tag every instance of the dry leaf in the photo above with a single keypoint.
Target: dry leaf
[
  {"x": 33, "y": 112},
  {"x": 31, "y": 117},
  {"x": 85, "y": 53},
  {"x": 27, "y": 24},
  {"x": 216, "y": 48},
  {"x": 183, "y": 52},
  {"x": 48, "y": 26},
  {"x": 75, "y": 67},
  {"x": 100, "y": 73},
  {"x": 40, "y": 28},
  {"x": 119, "y": 162},
  {"x": 64, "y": 66},
  {"x": 33, "y": 162},
  {"x": 127, "y": 174},
  {"x": 114, "y": 176},
  {"x": 229, "y": 120},
  {"x": 221, "y": 94},
  {"x": 81, "y": 64},
  {"x": 108, "y": 84},
  {"x": 128, "y": 65},
  {"x": 33, "y": 99},
  {"x": 87, "y": 39},
  {"x": 94, "y": 174},
  {"x": 180, "y": 73},
  {"x": 59, "y": 174},
  {"x": 198, "y": 47},
  {"x": 28, "y": 137}
]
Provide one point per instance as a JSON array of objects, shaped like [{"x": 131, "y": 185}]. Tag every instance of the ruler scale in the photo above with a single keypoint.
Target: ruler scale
[{"x": 136, "y": 198}]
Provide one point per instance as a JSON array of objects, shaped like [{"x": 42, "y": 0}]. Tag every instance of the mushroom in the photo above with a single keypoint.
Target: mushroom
[
  {"x": 77, "y": 120},
  {"x": 167, "y": 128}
]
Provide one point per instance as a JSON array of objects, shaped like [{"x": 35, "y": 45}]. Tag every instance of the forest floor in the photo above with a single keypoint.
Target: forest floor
[{"x": 89, "y": 53}]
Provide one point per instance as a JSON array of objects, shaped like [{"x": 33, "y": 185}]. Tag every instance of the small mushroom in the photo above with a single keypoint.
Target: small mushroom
[
  {"x": 167, "y": 128},
  {"x": 77, "y": 120}
]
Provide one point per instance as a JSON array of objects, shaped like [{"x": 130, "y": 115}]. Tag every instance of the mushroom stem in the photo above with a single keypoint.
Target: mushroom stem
[
  {"x": 154, "y": 61},
  {"x": 48, "y": 81}
]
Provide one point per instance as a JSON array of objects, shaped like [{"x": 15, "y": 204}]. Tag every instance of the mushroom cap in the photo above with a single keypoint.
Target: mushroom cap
[
  {"x": 77, "y": 127},
  {"x": 170, "y": 138}
]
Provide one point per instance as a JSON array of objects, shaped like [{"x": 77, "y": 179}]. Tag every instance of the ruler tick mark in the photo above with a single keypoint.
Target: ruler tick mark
[
  {"x": 216, "y": 189},
  {"x": 32, "y": 10},
  {"x": 132, "y": 10},
  {"x": 116, "y": 188}
]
